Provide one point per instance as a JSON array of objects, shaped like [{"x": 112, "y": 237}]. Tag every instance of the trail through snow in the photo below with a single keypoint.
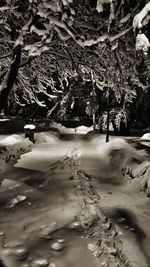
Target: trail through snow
[{"x": 72, "y": 191}]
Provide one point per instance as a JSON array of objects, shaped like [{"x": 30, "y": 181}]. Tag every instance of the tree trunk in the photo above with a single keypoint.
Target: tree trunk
[
  {"x": 108, "y": 117},
  {"x": 94, "y": 122},
  {"x": 10, "y": 79}
]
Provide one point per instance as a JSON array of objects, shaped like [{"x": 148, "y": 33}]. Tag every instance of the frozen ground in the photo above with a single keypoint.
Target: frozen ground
[{"x": 66, "y": 204}]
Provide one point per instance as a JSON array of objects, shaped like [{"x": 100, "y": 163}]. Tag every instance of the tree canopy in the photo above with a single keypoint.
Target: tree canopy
[{"x": 48, "y": 46}]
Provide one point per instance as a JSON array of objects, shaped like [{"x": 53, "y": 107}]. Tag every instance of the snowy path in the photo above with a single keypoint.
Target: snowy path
[{"x": 68, "y": 215}]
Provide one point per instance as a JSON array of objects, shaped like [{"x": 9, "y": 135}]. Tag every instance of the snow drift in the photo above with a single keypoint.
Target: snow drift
[
  {"x": 83, "y": 129},
  {"x": 119, "y": 158},
  {"x": 116, "y": 155},
  {"x": 146, "y": 136},
  {"x": 46, "y": 138}
]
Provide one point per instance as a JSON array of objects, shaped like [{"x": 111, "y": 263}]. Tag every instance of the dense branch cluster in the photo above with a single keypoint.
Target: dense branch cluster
[{"x": 64, "y": 40}]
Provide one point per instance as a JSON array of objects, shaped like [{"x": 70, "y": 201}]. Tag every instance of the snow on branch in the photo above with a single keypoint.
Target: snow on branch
[
  {"x": 100, "y": 4},
  {"x": 142, "y": 43},
  {"x": 139, "y": 18}
]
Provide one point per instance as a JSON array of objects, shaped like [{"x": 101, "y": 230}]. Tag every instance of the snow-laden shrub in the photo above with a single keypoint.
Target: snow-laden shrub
[{"x": 117, "y": 116}]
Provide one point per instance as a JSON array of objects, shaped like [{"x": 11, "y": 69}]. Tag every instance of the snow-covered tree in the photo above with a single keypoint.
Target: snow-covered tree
[{"x": 48, "y": 43}]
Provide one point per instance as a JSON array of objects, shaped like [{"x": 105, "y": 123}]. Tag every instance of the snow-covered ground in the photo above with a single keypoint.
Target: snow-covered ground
[
  {"x": 76, "y": 190},
  {"x": 111, "y": 155},
  {"x": 13, "y": 146}
]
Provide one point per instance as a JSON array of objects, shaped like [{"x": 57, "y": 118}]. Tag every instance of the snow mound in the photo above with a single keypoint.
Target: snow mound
[
  {"x": 29, "y": 126},
  {"x": 11, "y": 147},
  {"x": 117, "y": 154},
  {"x": 46, "y": 138},
  {"x": 146, "y": 136},
  {"x": 83, "y": 129},
  {"x": 11, "y": 140},
  {"x": 16, "y": 142},
  {"x": 62, "y": 129},
  {"x": 79, "y": 130},
  {"x": 42, "y": 157}
]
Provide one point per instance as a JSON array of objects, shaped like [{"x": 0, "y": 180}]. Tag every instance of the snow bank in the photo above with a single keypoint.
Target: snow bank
[
  {"x": 62, "y": 129},
  {"x": 118, "y": 158},
  {"x": 42, "y": 157},
  {"x": 11, "y": 147},
  {"x": 83, "y": 129},
  {"x": 46, "y": 138},
  {"x": 146, "y": 136},
  {"x": 145, "y": 139},
  {"x": 116, "y": 155},
  {"x": 29, "y": 126},
  {"x": 79, "y": 130},
  {"x": 11, "y": 140},
  {"x": 1, "y": 120}
]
